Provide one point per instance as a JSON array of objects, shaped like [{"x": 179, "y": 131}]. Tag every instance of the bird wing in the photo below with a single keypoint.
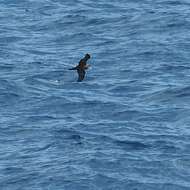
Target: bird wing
[
  {"x": 74, "y": 68},
  {"x": 81, "y": 73}
]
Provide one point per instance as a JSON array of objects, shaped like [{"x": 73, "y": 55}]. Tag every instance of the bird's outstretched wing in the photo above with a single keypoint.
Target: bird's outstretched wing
[
  {"x": 81, "y": 73},
  {"x": 74, "y": 68}
]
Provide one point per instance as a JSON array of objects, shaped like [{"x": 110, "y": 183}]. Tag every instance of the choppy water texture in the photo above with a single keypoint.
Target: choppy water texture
[{"x": 126, "y": 126}]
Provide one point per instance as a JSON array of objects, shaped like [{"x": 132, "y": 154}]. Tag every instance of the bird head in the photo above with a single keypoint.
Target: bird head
[{"x": 87, "y": 56}]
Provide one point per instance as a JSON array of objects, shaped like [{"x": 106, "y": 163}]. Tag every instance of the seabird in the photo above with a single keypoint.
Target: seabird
[{"x": 81, "y": 67}]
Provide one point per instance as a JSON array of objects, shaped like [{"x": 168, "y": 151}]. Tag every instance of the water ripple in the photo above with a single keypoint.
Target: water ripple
[{"x": 126, "y": 126}]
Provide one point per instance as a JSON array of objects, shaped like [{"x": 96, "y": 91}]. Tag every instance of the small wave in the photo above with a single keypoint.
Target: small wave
[
  {"x": 174, "y": 68},
  {"x": 10, "y": 39},
  {"x": 131, "y": 145},
  {"x": 40, "y": 118},
  {"x": 165, "y": 146}
]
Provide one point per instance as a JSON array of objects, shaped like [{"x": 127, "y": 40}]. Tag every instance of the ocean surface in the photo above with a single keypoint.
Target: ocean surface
[{"x": 126, "y": 126}]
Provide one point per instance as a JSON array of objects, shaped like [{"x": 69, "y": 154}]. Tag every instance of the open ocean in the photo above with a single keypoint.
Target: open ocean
[{"x": 126, "y": 126}]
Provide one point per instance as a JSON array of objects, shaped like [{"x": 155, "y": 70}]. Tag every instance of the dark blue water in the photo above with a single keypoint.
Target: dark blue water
[{"x": 126, "y": 126}]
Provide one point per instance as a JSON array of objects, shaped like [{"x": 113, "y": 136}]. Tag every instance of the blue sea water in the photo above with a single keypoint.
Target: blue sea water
[{"x": 126, "y": 126}]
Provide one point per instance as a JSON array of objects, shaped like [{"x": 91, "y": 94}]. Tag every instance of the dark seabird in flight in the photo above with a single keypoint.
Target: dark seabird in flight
[{"x": 81, "y": 67}]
